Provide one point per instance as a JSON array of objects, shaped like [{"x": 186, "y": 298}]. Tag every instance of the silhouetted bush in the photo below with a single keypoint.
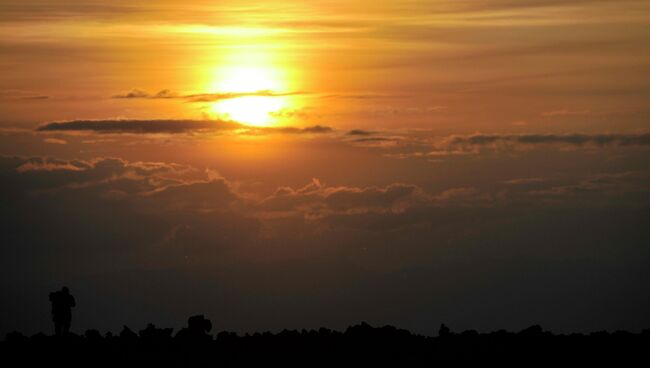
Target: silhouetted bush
[{"x": 359, "y": 345}]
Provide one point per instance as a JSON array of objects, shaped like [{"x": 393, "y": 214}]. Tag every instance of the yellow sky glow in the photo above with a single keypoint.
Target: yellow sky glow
[
  {"x": 247, "y": 70},
  {"x": 445, "y": 65}
]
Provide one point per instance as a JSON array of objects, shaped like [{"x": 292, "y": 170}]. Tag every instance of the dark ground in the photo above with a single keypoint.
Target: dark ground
[{"x": 359, "y": 345}]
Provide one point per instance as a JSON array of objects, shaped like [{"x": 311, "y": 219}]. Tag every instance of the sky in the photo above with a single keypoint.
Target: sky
[{"x": 292, "y": 164}]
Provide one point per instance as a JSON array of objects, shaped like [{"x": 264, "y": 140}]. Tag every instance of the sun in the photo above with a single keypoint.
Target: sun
[
  {"x": 257, "y": 92},
  {"x": 252, "y": 110}
]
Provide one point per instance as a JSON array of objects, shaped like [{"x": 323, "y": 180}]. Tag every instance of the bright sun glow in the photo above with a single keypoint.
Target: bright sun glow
[
  {"x": 253, "y": 110},
  {"x": 250, "y": 72}
]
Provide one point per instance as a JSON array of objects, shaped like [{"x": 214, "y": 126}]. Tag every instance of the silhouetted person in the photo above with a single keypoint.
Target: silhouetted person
[{"x": 62, "y": 304}]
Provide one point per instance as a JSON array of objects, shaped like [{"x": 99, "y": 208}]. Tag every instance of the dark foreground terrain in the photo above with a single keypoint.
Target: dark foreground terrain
[{"x": 360, "y": 345}]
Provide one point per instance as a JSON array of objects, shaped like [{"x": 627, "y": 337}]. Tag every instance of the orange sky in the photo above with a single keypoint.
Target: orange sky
[{"x": 444, "y": 65}]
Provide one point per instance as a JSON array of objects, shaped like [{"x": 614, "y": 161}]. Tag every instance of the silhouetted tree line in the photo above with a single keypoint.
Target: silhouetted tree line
[{"x": 359, "y": 345}]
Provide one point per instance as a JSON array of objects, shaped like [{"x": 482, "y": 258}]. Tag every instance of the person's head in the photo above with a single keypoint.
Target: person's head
[{"x": 65, "y": 290}]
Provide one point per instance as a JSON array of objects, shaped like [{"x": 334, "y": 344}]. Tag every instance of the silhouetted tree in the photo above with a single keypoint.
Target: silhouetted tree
[
  {"x": 93, "y": 335},
  {"x": 359, "y": 345},
  {"x": 197, "y": 329},
  {"x": 444, "y": 331},
  {"x": 127, "y": 334},
  {"x": 153, "y": 334},
  {"x": 532, "y": 331}
]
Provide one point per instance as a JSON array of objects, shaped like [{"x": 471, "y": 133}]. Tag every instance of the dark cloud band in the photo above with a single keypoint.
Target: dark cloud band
[
  {"x": 140, "y": 126},
  {"x": 576, "y": 139},
  {"x": 173, "y": 127}
]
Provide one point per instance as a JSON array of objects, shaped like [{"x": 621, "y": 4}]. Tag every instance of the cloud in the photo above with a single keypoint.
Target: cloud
[
  {"x": 50, "y": 164},
  {"x": 360, "y": 132},
  {"x": 55, "y": 141},
  {"x": 374, "y": 139},
  {"x": 449, "y": 153},
  {"x": 173, "y": 187},
  {"x": 157, "y": 187},
  {"x": 116, "y": 231},
  {"x": 370, "y": 197},
  {"x": 426, "y": 145},
  {"x": 83, "y": 212},
  {"x": 615, "y": 184},
  {"x": 362, "y": 96},
  {"x": 409, "y": 110},
  {"x": 566, "y": 112},
  {"x": 17, "y": 95},
  {"x": 367, "y": 138},
  {"x": 138, "y": 93},
  {"x": 36, "y": 97},
  {"x": 525, "y": 181},
  {"x": 575, "y": 139},
  {"x": 212, "y": 97},
  {"x": 318, "y": 201},
  {"x": 316, "y": 129},
  {"x": 464, "y": 196},
  {"x": 377, "y": 142},
  {"x": 141, "y": 126},
  {"x": 173, "y": 127},
  {"x": 201, "y": 97},
  {"x": 300, "y": 113},
  {"x": 144, "y": 178},
  {"x": 214, "y": 194}
]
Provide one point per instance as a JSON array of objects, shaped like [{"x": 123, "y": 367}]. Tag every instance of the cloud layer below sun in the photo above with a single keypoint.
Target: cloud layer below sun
[{"x": 421, "y": 221}]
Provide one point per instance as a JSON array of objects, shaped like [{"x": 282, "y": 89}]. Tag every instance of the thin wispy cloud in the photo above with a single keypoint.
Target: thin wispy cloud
[
  {"x": 18, "y": 95},
  {"x": 201, "y": 97},
  {"x": 575, "y": 139}
]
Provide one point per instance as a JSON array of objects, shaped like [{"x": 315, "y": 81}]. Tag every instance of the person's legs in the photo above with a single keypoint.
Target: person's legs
[
  {"x": 57, "y": 327},
  {"x": 66, "y": 324}
]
